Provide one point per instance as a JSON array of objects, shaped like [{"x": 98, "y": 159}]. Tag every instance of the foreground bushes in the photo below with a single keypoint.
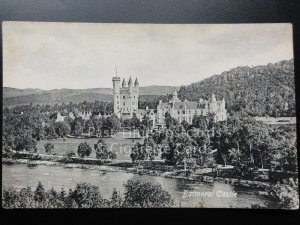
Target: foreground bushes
[{"x": 138, "y": 193}]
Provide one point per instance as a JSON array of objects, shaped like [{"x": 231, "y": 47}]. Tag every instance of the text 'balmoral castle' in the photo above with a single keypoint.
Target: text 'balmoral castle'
[{"x": 126, "y": 104}]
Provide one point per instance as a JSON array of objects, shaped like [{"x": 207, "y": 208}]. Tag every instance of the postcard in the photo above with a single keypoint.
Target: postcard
[{"x": 116, "y": 115}]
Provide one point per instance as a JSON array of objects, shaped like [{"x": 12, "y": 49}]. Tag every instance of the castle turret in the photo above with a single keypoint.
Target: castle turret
[
  {"x": 124, "y": 83},
  {"x": 130, "y": 82},
  {"x": 136, "y": 83},
  {"x": 130, "y": 85}
]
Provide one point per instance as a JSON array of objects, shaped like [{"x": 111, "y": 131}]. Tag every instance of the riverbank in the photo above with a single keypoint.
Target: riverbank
[{"x": 142, "y": 171}]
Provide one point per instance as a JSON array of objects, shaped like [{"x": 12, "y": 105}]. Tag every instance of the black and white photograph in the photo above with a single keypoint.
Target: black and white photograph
[{"x": 128, "y": 115}]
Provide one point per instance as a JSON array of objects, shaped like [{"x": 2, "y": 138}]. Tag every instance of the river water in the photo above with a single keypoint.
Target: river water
[{"x": 20, "y": 176}]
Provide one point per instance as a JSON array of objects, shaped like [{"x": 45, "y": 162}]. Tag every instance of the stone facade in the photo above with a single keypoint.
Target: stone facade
[{"x": 184, "y": 111}]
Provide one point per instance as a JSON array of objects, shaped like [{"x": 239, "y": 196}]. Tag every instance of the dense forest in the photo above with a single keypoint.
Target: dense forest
[{"x": 255, "y": 91}]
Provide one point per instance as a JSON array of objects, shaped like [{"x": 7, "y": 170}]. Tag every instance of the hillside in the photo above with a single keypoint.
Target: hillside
[
  {"x": 256, "y": 91},
  {"x": 13, "y": 96}
]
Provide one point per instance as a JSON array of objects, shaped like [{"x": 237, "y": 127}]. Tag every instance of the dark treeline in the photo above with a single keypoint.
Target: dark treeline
[
  {"x": 138, "y": 194},
  {"x": 254, "y": 91}
]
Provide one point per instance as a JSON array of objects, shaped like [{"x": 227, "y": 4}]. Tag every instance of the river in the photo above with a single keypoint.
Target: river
[{"x": 20, "y": 176}]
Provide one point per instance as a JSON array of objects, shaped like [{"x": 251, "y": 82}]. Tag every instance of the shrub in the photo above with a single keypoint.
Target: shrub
[
  {"x": 49, "y": 147},
  {"x": 84, "y": 150}
]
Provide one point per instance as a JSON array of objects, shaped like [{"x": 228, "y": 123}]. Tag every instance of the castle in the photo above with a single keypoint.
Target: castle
[{"x": 126, "y": 103}]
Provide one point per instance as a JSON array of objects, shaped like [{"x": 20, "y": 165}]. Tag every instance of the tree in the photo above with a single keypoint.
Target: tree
[
  {"x": 69, "y": 154},
  {"x": 87, "y": 196},
  {"x": 84, "y": 150},
  {"x": 143, "y": 194},
  {"x": 285, "y": 194},
  {"x": 138, "y": 153},
  {"x": 77, "y": 126},
  {"x": 62, "y": 129},
  {"x": 24, "y": 142},
  {"x": 199, "y": 121},
  {"x": 50, "y": 131},
  {"x": 39, "y": 194},
  {"x": 135, "y": 122},
  {"x": 89, "y": 126},
  {"x": 177, "y": 149},
  {"x": 116, "y": 200},
  {"x": 111, "y": 125},
  {"x": 185, "y": 124},
  {"x": 145, "y": 126},
  {"x": 170, "y": 121},
  {"x": 102, "y": 151},
  {"x": 49, "y": 147}
]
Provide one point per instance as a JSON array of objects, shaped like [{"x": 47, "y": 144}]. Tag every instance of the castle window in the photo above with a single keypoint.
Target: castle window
[
  {"x": 178, "y": 112},
  {"x": 123, "y": 96},
  {"x": 133, "y": 96},
  {"x": 117, "y": 96},
  {"x": 117, "y": 102},
  {"x": 123, "y": 103}
]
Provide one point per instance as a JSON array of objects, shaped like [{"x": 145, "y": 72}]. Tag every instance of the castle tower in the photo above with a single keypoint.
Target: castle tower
[
  {"x": 116, "y": 94},
  {"x": 125, "y": 97},
  {"x": 135, "y": 95}
]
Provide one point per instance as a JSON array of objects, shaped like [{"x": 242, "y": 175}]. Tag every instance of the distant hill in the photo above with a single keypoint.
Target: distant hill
[
  {"x": 256, "y": 91},
  {"x": 14, "y": 92},
  {"x": 13, "y": 96}
]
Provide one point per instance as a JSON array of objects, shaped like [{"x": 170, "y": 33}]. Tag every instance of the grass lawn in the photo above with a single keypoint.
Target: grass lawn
[{"x": 121, "y": 143}]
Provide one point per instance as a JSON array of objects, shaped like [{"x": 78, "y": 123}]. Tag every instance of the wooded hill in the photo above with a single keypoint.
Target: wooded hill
[{"x": 256, "y": 91}]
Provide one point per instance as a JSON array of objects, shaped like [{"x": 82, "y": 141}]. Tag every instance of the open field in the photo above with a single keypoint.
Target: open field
[{"x": 121, "y": 143}]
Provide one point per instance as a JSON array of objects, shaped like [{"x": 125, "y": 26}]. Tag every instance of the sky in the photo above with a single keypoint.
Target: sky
[{"x": 84, "y": 55}]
